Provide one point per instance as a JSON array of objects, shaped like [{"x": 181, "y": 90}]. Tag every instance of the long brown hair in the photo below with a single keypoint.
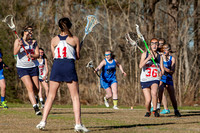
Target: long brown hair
[{"x": 65, "y": 24}]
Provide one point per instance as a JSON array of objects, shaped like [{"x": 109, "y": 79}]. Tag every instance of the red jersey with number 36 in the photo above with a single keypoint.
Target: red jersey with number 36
[{"x": 64, "y": 50}]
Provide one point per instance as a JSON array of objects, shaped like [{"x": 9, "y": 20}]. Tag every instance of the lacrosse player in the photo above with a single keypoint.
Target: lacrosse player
[
  {"x": 150, "y": 76},
  {"x": 108, "y": 78},
  {"x": 2, "y": 83},
  {"x": 166, "y": 81},
  {"x": 65, "y": 49},
  {"x": 43, "y": 72},
  {"x": 27, "y": 65}
]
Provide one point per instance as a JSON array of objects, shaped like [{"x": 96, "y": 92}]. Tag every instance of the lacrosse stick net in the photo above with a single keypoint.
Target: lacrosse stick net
[
  {"x": 130, "y": 39},
  {"x": 142, "y": 38},
  {"x": 10, "y": 22},
  {"x": 91, "y": 23}
]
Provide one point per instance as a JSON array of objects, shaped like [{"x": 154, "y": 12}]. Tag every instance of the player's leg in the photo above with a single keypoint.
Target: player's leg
[
  {"x": 115, "y": 96},
  {"x": 147, "y": 96},
  {"x": 154, "y": 91},
  {"x": 74, "y": 91},
  {"x": 3, "y": 93},
  {"x": 171, "y": 92},
  {"x": 48, "y": 104}
]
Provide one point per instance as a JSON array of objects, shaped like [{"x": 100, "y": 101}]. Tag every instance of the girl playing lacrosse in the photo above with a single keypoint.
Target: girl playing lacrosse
[
  {"x": 27, "y": 68},
  {"x": 150, "y": 76},
  {"x": 108, "y": 78},
  {"x": 166, "y": 81},
  {"x": 43, "y": 72},
  {"x": 2, "y": 83},
  {"x": 65, "y": 49}
]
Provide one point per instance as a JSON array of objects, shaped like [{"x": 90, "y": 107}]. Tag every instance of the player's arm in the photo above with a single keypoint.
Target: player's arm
[
  {"x": 103, "y": 63},
  {"x": 172, "y": 70},
  {"x": 77, "y": 47},
  {"x": 17, "y": 45},
  {"x": 53, "y": 47},
  {"x": 46, "y": 67},
  {"x": 36, "y": 52},
  {"x": 120, "y": 67},
  {"x": 143, "y": 61}
]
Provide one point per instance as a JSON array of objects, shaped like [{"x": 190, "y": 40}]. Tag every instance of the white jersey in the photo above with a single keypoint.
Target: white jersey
[
  {"x": 150, "y": 72},
  {"x": 22, "y": 59},
  {"x": 64, "y": 50},
  {"x": 42, "y": 69}
]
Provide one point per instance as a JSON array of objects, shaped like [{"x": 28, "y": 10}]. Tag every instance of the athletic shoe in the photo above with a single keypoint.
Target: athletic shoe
[
  {"x": 165, "y": 111},
  {"x": 3, "y": 105},
  {"x": 177, "y": 113},
  {"x": 151, "y": 109},
  {"x": 37, "y": 110},
  {"x": 106, "y": 102},
  {"x": 80, "y": 128},
  {"x": 156, "y": 114},
  {"x": 115, "y": 107},
  {"x": 41, "y": 125},
  {"x": 148, "y": 114}
]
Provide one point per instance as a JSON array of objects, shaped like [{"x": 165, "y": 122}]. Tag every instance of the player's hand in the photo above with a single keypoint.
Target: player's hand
[
  {"x": 149, "y": 56},
  {"x": 124, "y": 73}
]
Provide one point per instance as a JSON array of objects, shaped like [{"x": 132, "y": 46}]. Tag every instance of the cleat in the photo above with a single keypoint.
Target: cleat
[
  {"x": 41, "y": 125},
  {"x": 148, "y": 114},
  {"x": 156, "y": 114},
  {"x": 37, "y": 110},
  {"x": 165, "y": 111},
  {"x": 3, "y": 105},
  {"x": 80, "y": 128},
  {"x": 115, "y": 107},
  {"x": 177, "y": 113},
  {"x": 106, "y": 102}
]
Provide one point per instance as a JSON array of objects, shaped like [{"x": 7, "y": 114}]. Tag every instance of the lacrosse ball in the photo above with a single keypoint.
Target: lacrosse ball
[{"x": 131, "y": 107}]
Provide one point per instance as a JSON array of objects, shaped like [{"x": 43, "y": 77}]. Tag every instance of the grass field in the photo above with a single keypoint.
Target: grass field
[{"x": 20, "y": 118}]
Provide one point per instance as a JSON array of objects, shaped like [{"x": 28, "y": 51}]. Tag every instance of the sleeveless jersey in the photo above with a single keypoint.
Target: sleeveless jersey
[
  {"x": 42, "y": 69},
  {"x": 22, "y": 59},
  {"x": 167, "y": 64},
  {"x": 109, "y": 70},
  {"x": 150, "y": 71},
  {"x": 64, "y": 50}
]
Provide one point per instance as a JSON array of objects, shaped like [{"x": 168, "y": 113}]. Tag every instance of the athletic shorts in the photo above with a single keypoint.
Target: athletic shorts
[
  {"x": 1, "y": 74},
  {"x": 107, "y": 84},
  {"x": 167, "y": 80},
  {"x": 149, "y": 83},
  {"x": 63, "y": 70},
  {"x": 34, "y": 71}
]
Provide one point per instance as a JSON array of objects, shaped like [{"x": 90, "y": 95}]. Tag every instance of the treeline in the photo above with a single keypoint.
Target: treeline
[{"x": 175, "y": 20}]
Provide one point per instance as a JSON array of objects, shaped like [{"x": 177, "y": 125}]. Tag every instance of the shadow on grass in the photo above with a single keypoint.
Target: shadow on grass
[
  {"x": 82, "y": 112},
  {"x": 185, "y": 114},
  {"x": 127, "y": 126}
]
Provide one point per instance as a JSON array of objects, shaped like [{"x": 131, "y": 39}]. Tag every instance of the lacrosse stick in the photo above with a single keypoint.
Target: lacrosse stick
[
  {"x": 90, "y": 65},
  {"x": 132, "y": 42},
  {"x": 9, "y": 21},
  {"x": 142, "y": 38},
  {"x": 91, "y": 23}
]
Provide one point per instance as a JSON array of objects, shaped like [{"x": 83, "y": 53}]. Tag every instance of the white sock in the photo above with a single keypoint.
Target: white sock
[
  {"x": 158, "y": 105},
  {"x": 41, "y": 99},
  {"x": 151, "y": 104}
]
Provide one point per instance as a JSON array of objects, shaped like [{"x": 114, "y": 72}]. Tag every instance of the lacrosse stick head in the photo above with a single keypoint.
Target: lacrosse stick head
[
  {"x": 9, "y": 21},
  {"x": 90, "y": 64},
  {"x": 91, "y": 22},
  {"x": 130, "y": 38},
  {"x": 138, "y": 32}
]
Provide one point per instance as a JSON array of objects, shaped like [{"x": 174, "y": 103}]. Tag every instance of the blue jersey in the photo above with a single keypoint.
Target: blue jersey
[
  {"x": 109, "y": 71},
  {"x": 167, "y": 76}
]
